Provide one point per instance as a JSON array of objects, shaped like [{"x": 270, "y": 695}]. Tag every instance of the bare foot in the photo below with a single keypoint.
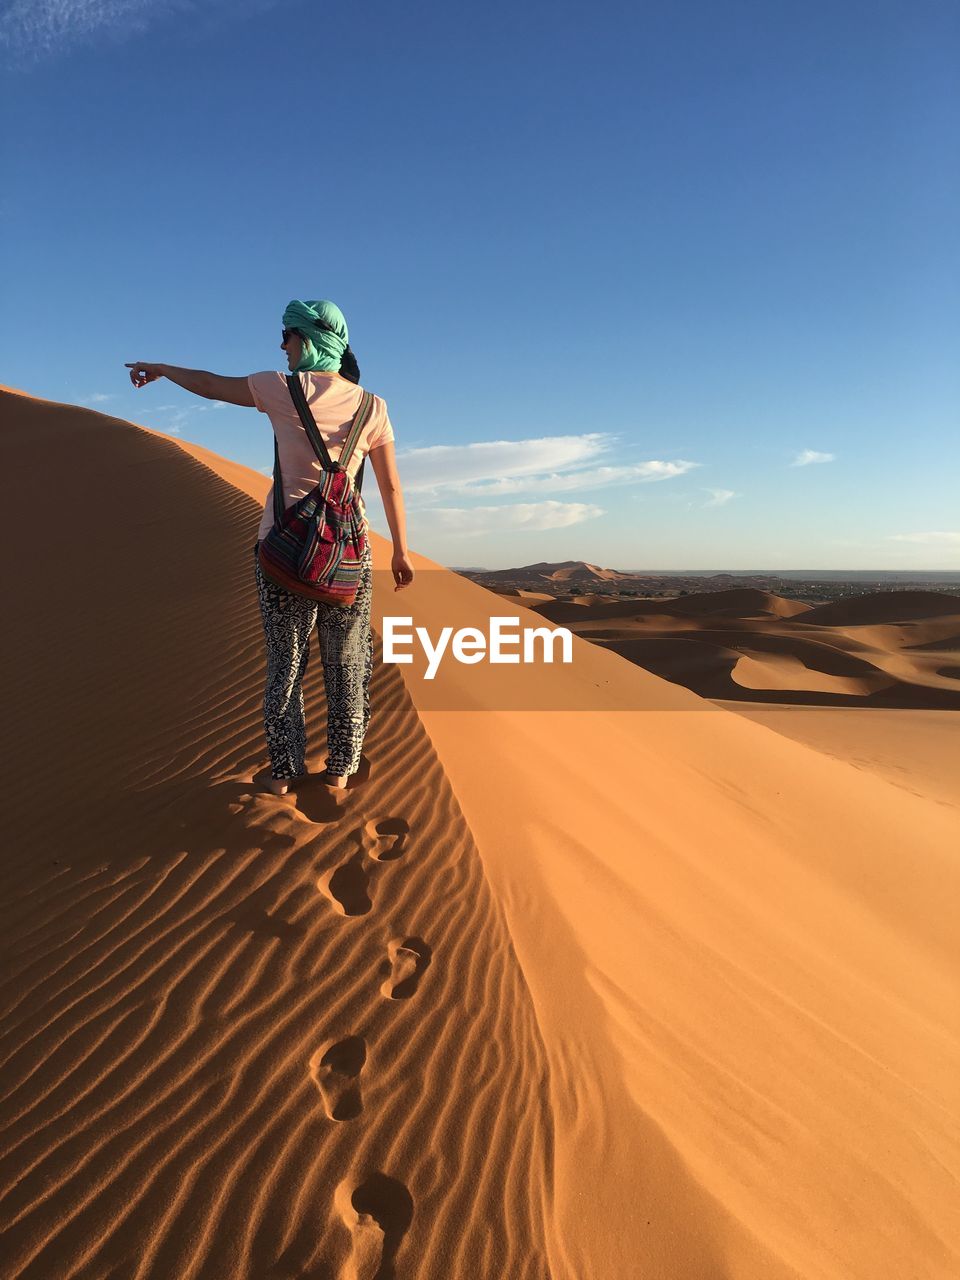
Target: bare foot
[
  {"x": 338, "y": 781},
  {"x": 280, "y": 786}
]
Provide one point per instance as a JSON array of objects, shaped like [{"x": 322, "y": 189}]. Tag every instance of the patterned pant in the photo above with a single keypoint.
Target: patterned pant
[{"x": 346, "y": 651}]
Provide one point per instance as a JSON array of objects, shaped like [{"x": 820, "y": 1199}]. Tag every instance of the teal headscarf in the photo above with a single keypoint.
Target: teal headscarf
[{"x": 321, "y": 349}]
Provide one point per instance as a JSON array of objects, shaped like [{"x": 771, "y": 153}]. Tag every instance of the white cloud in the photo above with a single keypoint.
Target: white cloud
[
  {"x": 806, "y": 456},
  {"x": 548, "y": 464},
  {"x": 946, "y": 538},
  {"x": 518, "y": 517},
  {"x": 720, "y": 496},
  {"x": 587, "y": 478},
  {"x": 98, "y": 397}
]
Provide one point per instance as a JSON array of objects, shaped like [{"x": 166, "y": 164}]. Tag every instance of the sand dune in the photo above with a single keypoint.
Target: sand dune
[
  {"x": 577, "y": 571},
  {"x": 875, "y": 650},
  {"x": 580, "y": 993},
  {"x": 741, "y": 602},
  {"x": 884, "y": 606},
  {"x": 528, "y": 598}
]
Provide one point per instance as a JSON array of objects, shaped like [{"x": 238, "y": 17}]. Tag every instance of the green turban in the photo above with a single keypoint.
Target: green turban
[{"x": 321, "y": 348}]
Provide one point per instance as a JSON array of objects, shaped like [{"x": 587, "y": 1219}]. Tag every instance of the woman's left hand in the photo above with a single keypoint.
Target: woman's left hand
[{"x": 142, "y": 373}]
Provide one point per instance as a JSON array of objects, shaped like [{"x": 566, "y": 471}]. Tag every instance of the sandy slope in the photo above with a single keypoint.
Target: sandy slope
[
  {"x": 633, "y": 988},
  {"x": 916, "y": 750}
]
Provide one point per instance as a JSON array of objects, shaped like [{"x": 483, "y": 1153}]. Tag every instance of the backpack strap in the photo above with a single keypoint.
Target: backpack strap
[
  {"x": 306, "y": 417},
  {"x": 360, "y": 420},
  {"x": 278, "y": 507}
]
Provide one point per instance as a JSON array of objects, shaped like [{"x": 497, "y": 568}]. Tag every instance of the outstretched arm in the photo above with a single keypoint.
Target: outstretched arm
[{"x": 209, "y": 385}]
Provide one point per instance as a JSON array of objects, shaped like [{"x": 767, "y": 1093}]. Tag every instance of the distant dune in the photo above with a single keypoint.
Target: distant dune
[
  {"x": 569, "y": 571},
  {"x": 892, "y": 649},
  {"x": 581, "y": 994},
  {"x": 744, "y": 602},
  {"x": 885, "y": 606},
  {"x": 528, "y": 598}
]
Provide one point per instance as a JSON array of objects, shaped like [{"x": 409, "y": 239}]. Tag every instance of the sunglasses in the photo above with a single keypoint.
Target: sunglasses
[{"x": 321, "y": 324}]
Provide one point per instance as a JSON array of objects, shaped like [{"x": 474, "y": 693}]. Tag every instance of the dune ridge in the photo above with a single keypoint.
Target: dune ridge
[{"x": 570, "y": 994}]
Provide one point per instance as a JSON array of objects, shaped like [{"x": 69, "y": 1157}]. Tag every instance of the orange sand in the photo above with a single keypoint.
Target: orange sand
[{"x": 597, "y": 993}]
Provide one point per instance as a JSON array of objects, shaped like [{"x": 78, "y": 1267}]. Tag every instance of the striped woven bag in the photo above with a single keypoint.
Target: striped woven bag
[{"x": 315, "y": 549}]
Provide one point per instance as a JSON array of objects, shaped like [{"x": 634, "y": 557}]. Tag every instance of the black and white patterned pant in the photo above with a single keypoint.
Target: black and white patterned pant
[{"x": 346, "y": 651}]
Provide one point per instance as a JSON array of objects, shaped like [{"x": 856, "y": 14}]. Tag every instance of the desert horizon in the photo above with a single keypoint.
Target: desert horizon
[{"x": 831, "y": 575}]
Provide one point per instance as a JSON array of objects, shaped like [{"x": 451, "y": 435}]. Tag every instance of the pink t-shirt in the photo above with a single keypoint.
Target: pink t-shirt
[{"x": 333, "y": 401}]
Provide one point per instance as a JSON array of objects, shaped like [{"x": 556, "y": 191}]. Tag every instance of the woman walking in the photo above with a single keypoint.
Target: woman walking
[{"x": 315, "y": 341}]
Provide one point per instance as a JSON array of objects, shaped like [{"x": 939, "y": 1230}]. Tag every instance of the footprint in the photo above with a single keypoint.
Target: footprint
[
  {"x": 386, "y": 838},
  {"x": 346, "y": 886},
  {"x": 335, "y": 1071},
  {"x": 407, "y": 959},
  {"x": 377, "y": 1213}
]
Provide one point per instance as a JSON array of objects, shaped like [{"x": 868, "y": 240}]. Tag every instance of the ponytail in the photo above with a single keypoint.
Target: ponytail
[{"x": 349, "y": 368}]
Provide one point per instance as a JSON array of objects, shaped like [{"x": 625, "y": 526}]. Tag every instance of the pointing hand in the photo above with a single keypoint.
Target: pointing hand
[{"x": 141, "y": 373}]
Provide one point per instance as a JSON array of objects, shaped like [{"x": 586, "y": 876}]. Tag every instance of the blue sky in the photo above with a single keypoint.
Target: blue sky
[{"x": 652, "y": 286}]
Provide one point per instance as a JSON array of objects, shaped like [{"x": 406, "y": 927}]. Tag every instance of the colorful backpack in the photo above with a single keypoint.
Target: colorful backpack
[{"x": 315, "y": 548}]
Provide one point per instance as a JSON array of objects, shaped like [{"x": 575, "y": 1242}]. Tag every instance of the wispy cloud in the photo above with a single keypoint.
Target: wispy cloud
[
  {"x": 587, "y": 478},
  {"x": 38, "y": 27},
  {"x": 547, "y": 464},
  {"x": 171, "y": 418},
  {"x": 98, "y": 397},
  {"x": 175, "y": 416},
  {"x": 806, "y": 456},
  {"x": 942, "y": 538},
  {"x": 35, "y": 29},
  {"x": 720, "y": 496},
  {"x": 516, "y": 517}
]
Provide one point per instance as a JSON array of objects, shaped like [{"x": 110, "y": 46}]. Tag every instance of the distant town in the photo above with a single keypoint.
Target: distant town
[{"x": 571, "y": 578}]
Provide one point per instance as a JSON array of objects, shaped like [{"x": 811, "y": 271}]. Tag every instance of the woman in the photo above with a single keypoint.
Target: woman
[{"x": 315, "y": 340}]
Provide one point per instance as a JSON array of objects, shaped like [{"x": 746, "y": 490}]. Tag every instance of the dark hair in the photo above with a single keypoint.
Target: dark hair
[{"x": 349, "y": 368}]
